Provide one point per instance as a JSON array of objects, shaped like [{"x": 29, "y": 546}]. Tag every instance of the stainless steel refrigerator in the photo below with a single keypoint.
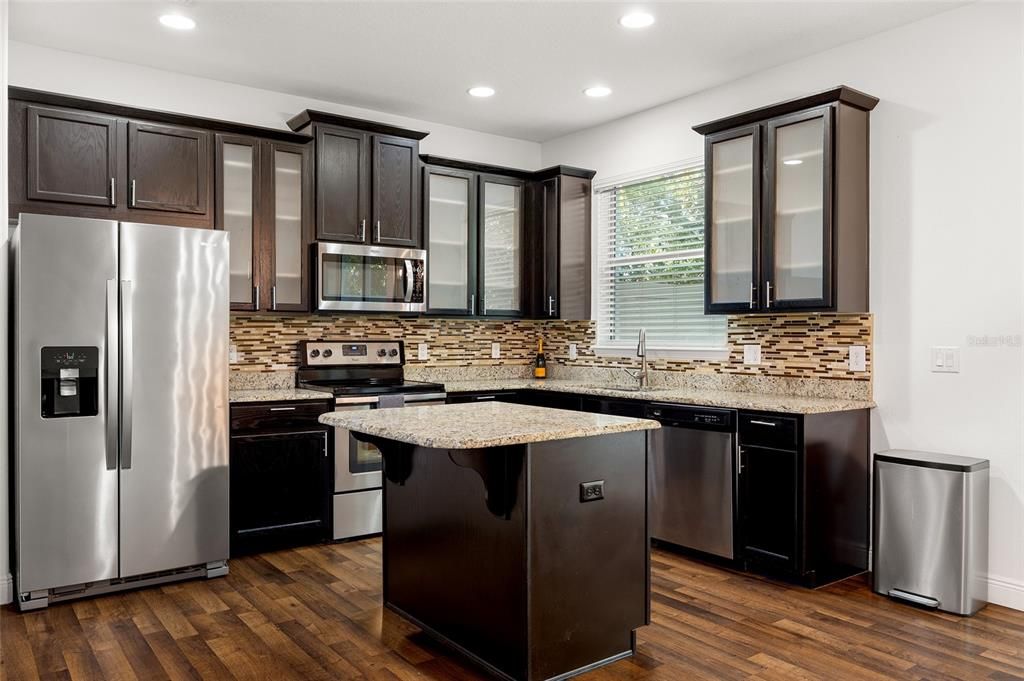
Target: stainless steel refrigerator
[{"x": 120, "y": 366}]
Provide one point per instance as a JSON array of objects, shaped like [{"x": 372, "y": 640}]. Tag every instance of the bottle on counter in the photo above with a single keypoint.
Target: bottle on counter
[{"x": 540, "y": 367}]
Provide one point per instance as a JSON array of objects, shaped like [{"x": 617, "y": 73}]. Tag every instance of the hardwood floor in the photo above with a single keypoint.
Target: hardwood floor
[{"x": 314, "y": 613}]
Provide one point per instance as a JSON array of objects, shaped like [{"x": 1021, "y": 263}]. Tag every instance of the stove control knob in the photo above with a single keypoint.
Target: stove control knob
[
  {"x": 393, "y": 352},
  {"x": 382, "y": 353},
  {"x": 314, "y": 353},
  {"x": 328, "y": 352}
]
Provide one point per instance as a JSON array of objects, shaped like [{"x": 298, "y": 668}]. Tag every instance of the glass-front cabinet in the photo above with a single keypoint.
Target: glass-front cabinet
[
  {"x": 264, "y": 191},
  {"x": 475, "y": 239},
  {"x": 786, "y": 206},
  {"x": 451, "y": 235}
]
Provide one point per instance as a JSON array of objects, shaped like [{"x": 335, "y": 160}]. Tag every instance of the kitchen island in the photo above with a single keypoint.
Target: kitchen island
[{"x": 515, "y": 534}]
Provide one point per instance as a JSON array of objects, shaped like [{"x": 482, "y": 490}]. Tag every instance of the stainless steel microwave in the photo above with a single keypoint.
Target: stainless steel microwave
[{"x": 353, "y": 278}]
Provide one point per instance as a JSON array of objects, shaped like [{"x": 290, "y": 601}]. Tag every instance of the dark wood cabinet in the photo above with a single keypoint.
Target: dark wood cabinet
[
  {"x": 768, "y": 498},
  {"x": 71, "y": 156},
  {"x": 501, "y": 246},
  {"x": 169, "y": 168},
  {"x": 281, "y": 475},
  {"x": 86, "y": 158},
  {"x": 264, "y": 198},
  {"x": 450, "y": 237},
  {"x": 396, "y": 192},
  {"x": 786, "y": 206},
  {"x": 342, "y": 184},
  {"x": 367, "y": 180},
  {"x": 561, "y": 200}
]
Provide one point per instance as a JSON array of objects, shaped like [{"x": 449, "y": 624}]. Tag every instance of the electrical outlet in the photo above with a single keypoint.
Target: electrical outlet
[
  {"x": 858, "y": 358},
  {"x": 591, "y": 491},
  {"x": 751, "y": 354},
  {"x": 495, "y": 350},
  {"x": 572, "y": 351},
  {"x": 233, "y": 354},
  {"x": 945, "y": 359},
  {"x": 422, "y": 352}
]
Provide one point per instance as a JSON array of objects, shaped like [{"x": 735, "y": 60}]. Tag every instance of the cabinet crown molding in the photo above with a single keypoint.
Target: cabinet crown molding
[
  {"x": 841, "y": 93},
  {"x": 304, "y": 119}
]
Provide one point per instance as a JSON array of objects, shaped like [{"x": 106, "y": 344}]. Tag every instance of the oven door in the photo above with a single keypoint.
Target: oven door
[
  {"x": 370, "y": 278},
  {"x": 357, "y": 465}
]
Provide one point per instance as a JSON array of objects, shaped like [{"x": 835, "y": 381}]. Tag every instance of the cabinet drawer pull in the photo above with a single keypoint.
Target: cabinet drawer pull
[
  {"x": 376, "y": 233},
  {"x": 132, "y": 200},
  {"x": 113, "y": 192},
  {"x": 273, "y": 297},
  {"x": 282, "y": 409},
  {"x": 755, "y": 422},
  {"x": 551, "y": 306},
  {"x": 472, "y": 304},
  {"x": 768, "y": 298},
  {"x": 362, "y": 230},
  {"x": 257, "y": 301},
  {"x": 480, "y": 398}
]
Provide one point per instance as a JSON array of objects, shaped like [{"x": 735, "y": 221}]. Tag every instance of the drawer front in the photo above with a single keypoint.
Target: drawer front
[
  {"x": 278, "y": 416},
  {"x": 761, "y": 430},
  {"x": 465, "y": 398}
]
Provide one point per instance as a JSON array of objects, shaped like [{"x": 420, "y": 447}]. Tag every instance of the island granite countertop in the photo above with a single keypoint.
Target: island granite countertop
[
  {"x": 769, "y": 402},
  {"x": 481, "y": 425}
]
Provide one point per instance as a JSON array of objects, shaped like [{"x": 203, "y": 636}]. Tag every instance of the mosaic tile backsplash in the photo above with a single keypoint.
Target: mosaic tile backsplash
[{"x": 810, "y": 346}]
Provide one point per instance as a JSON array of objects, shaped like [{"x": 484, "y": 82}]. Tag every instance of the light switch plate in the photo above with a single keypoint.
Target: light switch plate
[
  {"x": 751, "y": 354},
  {"x": 495, "y": 350},
  {"x": 858, "y": 358},
  {"x": 233, "y": 354},
  {"x": 572, "y": 351},
  {"x": 422, "y": 353},
  {"x": 945, "y": 359}
]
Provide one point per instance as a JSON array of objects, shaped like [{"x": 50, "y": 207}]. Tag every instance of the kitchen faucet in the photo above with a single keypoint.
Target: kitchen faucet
[{"x": 641, "y": 352}]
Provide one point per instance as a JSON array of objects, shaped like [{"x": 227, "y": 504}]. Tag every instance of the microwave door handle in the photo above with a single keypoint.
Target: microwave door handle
[{"x": 409, "y": 283}]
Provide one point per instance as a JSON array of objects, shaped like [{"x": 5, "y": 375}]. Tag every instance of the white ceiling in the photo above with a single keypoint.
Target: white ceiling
[{"x": 417, "y": 59}]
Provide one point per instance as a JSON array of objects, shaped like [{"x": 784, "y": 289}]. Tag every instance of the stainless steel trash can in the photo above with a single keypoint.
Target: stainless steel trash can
[{"x": 931, "y": 529}]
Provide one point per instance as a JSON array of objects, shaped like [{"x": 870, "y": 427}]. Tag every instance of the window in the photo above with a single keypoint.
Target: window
[{"x": 650, "y": 264}]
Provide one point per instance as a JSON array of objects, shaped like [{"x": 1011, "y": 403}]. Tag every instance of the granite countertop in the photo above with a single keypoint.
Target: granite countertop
[
  {"x": 276, "y": 395},
  {"x": 480, "y": 425},
  {"x": 787, "y": 404}
]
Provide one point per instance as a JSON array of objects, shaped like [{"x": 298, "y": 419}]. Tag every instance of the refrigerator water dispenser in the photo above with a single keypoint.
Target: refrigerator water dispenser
[{"x": 70, "y": 385}]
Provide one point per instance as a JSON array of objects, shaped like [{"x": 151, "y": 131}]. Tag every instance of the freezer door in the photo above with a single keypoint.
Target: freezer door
[
  {"x": 174, "y": 412},
  {"x": 65, "y": 468}
]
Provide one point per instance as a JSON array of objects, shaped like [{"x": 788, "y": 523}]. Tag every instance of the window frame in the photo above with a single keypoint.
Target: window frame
[{"x": 602, "y": 344}]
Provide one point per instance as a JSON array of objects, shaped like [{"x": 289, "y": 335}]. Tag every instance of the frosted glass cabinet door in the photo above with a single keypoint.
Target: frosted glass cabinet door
[
  {"x": 733, "y": 220},
  {"x": 501, "y": 248},
  {"x": 798, "y": 260},
  {"x": 450, "y": 220},
  {"x": 287, "y": 289},
  {"x": 236, "y": 157}
]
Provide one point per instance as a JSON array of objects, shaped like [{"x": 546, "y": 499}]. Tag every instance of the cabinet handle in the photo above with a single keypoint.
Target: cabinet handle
[
  {"x": 472, "y": 303},
  {"x": 481, "y": 398},
  {"x": 113, "y": 192},
  {"x": 376, "y": 233},
  {"x": 257, "y": 303},
  {"x": 739, "y": 460},
  {"x": 752, "y": 287},
  {"x": 282, "y": 409},
  {"x": 273, "y": 297},
  {"x": 362, "y": 230},
  {"x": 551, "y": 306},
  {"x": 132, "y": 200},
  {"x": 755, "y": 422},
  {"x": 768, "y": 299}
]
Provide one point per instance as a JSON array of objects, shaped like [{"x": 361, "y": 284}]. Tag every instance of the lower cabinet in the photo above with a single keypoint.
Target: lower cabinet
[
  {"x": 768, "y": 493},
  {"x": 281, "y": 476}
]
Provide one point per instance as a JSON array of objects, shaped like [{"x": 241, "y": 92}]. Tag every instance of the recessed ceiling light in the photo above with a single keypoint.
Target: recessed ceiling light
[
  {"x": 792, "y": 162},
  {"x": 177, "y": 21},
  {"x": 637, "y": 20},
  {"x": 597, "y": 91},
  {"x": 481, "y": 91}
]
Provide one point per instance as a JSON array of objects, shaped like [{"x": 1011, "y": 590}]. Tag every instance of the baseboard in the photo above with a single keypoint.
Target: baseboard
[
  {"x": 1008, "y": 592},
  {"x": 6, "y": 589}
]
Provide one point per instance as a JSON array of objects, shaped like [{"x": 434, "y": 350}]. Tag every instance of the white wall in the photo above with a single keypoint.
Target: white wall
[
  {"x": 946, "y": 229},
  {"x": 5, "y": 569},
  {"x": 57, "y": 71}
]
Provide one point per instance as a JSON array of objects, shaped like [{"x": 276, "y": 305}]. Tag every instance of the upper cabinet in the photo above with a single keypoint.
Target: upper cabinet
[
  {"x": 86, "y": 158},
  {"x": 786, "y": 215},
  {"x": 367, "y": 180},
  {"x": 265, "y": 190}
]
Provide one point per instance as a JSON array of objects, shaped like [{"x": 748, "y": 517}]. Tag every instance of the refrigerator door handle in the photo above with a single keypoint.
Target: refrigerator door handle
[
  {"x": 127, "y": 367},
  {"x": 110, "y": 384}
]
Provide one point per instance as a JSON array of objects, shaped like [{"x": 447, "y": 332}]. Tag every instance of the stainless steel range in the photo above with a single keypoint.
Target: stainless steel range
[{"x": 360, "y": 375}]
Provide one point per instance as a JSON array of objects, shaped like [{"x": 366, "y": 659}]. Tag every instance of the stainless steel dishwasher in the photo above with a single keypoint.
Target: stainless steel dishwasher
[{"x": 692, "y": 477}]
